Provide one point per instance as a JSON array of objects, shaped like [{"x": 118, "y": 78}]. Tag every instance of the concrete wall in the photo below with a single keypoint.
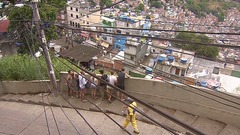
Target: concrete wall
[
  {"x": 170, "y": 96},
  {"x": 24, "y": 87}
]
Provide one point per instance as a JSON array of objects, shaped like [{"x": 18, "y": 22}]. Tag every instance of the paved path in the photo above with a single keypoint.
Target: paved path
[{"x": 28, "y": 119}]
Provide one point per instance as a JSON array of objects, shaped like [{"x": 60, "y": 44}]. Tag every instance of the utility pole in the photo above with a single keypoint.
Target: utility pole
[{"x": 51, "y": 74}]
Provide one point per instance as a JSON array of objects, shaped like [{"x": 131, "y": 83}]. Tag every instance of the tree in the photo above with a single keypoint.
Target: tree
[
  {"x": 106, "y": 3},
  {"x": 21, "y": 19},
  {"x": 140, "y": 7},
  {"x": 207, "y": 51}
]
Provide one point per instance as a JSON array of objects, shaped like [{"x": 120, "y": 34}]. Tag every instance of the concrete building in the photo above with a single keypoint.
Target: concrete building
[
  {"x": 134, "y": 51},
  {"x": 79, "y": 13},
  {"x": 108, "y": 22},
  {"x": 125, "y": 22},
  {"x": 173, "y": 61}
]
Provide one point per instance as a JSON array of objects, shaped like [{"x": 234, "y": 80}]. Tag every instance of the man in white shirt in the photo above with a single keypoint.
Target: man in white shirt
[
  {"x": 82, "y": 82},
  {"x": 112, "y": 80}
]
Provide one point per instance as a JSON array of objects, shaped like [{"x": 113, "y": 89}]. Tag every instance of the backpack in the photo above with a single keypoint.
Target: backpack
[
  {"x": 88, "y": 85},
  {"x": 105, "y": 78}
]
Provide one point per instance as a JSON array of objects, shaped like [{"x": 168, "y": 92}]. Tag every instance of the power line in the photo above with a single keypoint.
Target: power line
[
  {"x": 118, "y": 99},
  {"x": 95, "y": 104},
  {"x": 175, "y": 80},
  {"x": 143, "y": 103},
  {"x": 158, "y": 38},
  {"x": 163, "y": 126},
  {"x": 159, "y": 30}
]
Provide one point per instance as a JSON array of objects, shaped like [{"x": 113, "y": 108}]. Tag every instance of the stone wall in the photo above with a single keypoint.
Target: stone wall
[
  {"x": 24, "y": 87},
  {"x": 187, "y": 99}
]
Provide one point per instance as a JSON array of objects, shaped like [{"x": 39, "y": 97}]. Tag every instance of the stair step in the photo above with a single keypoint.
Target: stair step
[
  {"x": 115, "y": 110},
  {"x": 15, "y": 97},
  {"x": 208, "y": 126},
  {"x": 101, "y": 104},
  {"x": 78, "y": 104},
  {"x": 7, "y": 97},
  {"x": 45, "y": 100},
  {"x": 230, "y": 130},
  {"x": 34, "y": 99},
  {"x": 25, "y": 98},
  {"x": 157, "y": 116},
  {"x": 182, "y": 116}
]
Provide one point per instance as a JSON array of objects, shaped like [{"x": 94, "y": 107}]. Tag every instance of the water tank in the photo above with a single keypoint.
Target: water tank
[
  {"x": 162, "y": 58},
  {"x": 148, "y": 70},
  {"x": 167, "y": 52},
  {"x": 183, "y": 60},
  {"x": 170, "y": 59}
]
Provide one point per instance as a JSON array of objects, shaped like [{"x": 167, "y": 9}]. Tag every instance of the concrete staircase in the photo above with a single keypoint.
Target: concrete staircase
[{"x": 208, "y": 126}]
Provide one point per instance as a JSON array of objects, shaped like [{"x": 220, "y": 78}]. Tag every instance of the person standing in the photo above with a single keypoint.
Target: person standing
[
  {"x": 131, "y": 115},
  {"x": 113, "y": 81},
  {"x": 69, "y": 83},
  {"x": 121, "y": 83},
  {"x": 94, "y": 86},
  {"x": 82, "y": 82},
  {"x": 102, "y": 84}
]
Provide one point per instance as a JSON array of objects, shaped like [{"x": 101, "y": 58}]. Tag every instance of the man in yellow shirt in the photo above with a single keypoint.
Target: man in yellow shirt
[{"x": 131, "y": 115}]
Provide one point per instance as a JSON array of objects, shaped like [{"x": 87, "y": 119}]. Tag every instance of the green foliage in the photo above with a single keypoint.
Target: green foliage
[
  {"x": 140, "y": 7},
  {"x": 148, "y": 17},
  {"x": 48, "y": 12},
  {"x": 207, "y": 51},
  {"x": 124, "y": 10},
  {"x": 92, "y": 3},
  {"x": 217, "y": 7},
  {"x": 106, "y": 3},
  {"x": 25, "y": 67},
  {"x": 155, "y": 3}
]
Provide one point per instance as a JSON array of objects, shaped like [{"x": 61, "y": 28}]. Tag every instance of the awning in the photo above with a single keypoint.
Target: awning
[
  {"x": 82, "y": 53},
  {"x": 105, "y": 44},
  {"x": 85, "y": 35}
]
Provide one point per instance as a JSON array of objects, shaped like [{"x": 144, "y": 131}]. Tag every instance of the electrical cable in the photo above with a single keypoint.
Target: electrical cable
[
  {"x": 188, "y": 127},
  {"x": 95, "y": 104},
  {"x": 160, "y": 30},
  {"x": 163, "y": 126},
  {"x": 174, "y": 50},
  {"x": 158, "y": 38},
  {"x": 39, "y": 64},
  {"x": 184, "y": 84},
  {"x": 166, "y": 128}
]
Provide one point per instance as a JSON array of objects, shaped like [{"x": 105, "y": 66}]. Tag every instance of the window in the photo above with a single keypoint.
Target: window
[
  {"x": 83, "y": 21},
  {"x": 127, "y": 25},
  {"x": 127, "y": 33},
  {"x": 75, "y": 24},
  {"x": 104, "y": 37},
  {"x": 71, "y": 15},
  {"x": 118, "y": 31},
  {"x": 132, "y": 58},
  {"x": 76, "y": 16},
  {"x": 105, "y": 30},
  {"x": 87, "y": 16},
  {"x": 70, "y": 23},
  {"x": 87, "y": 22},
  {"x": 71, "y": 8},
  {"x": 110, "y": 38},
  {"x": 77, "y": 9},
  {"x": 78, "y": 25}
]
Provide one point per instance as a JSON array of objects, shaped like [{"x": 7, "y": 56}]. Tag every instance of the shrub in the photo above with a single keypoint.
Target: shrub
[{"x": 25, "y": 67}]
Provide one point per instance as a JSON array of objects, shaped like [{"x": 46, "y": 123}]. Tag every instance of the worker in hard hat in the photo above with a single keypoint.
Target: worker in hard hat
[{"x": 131, "y": 115}]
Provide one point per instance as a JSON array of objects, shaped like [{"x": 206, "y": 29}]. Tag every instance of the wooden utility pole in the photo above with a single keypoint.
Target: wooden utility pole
[{"x": 37, "y": 20}]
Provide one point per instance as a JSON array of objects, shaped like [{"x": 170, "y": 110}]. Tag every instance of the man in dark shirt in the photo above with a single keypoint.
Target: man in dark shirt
[{"x": 121, "y": 83}]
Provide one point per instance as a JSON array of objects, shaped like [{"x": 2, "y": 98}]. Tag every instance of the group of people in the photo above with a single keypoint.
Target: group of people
[
  {"x": 95, "y": 85},
  {"x": 98, "y": 85}
]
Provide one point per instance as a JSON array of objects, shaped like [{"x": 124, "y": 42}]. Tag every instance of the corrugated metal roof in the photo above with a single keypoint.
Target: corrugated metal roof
[{"x": 82, "y": 53}]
